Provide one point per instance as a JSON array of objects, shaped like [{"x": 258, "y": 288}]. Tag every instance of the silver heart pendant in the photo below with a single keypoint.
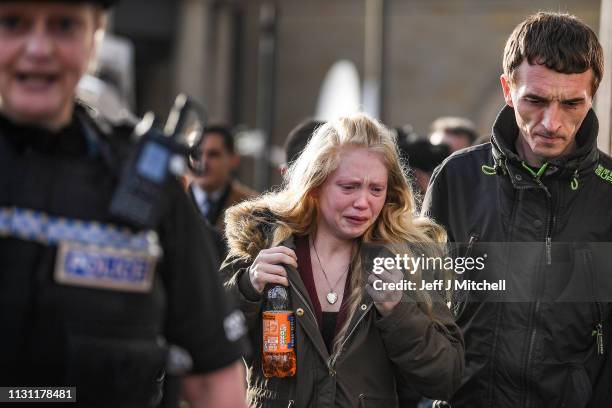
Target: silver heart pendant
[{"x": 332, "y": 297}]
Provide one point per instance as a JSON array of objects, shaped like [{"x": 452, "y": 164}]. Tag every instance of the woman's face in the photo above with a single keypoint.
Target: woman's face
[
  {"x": 352, "y": 197},
  {"x": 45, "y": 48}
]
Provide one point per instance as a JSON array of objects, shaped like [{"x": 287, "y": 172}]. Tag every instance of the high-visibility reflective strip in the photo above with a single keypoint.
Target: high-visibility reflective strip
[{"x": 40, "y": 227}]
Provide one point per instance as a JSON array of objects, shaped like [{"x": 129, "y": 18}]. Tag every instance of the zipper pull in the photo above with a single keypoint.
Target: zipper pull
[
  {"x": 473, "y": 239},
  {"x": 470, "y": 245},
  {"x": 598, "y": 332},
  {"x": 548, "y": 251},
  {"x": 574, "y": 182}
]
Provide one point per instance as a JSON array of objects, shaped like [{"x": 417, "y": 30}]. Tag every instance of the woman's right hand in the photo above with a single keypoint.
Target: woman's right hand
[{"x": 268, "y": 267}]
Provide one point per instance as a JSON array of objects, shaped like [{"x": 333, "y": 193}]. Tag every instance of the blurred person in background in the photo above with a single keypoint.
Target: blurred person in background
[
  {"x": 88, "y": 300},
  {"x": 355, "y": 345},
  {"x": 216, "y": 188},
  {"x": 422, "y": 157},
  {"x": 297, "y": 139},
  {"x": 455, "y": 132}
]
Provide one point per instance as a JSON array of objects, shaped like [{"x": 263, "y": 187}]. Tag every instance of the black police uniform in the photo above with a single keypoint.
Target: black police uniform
[{"x": 85, "y": 301}]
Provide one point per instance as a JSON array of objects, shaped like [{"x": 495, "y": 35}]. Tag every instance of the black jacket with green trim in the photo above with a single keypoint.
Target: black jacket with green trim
[{"x": 549, "y": 350}]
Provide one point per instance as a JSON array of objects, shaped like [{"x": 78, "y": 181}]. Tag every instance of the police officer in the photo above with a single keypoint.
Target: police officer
[{"x": 87, "y": 300}]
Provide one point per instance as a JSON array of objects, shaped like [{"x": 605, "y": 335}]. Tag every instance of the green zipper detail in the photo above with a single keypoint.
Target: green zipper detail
[
  {"x": 574, "y": 182},
  {"x": 488, "y": 170},
  {"x": 537, "y": 174}
]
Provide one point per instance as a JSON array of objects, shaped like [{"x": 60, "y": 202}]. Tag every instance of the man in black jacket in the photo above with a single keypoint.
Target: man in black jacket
[{"x": 542, "y": 187}]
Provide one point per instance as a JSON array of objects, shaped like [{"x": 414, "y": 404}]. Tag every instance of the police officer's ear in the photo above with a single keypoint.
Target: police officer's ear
[
  {"x": 100, "y": 23},
  {"x": 506, "y": 84}
]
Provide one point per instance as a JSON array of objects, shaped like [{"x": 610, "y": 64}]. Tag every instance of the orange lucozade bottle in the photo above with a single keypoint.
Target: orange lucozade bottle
[{"x": 278, "y": 354}]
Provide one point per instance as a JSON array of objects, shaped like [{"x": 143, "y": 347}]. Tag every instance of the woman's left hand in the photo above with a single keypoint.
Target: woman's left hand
[{"x": 385, "y": 299}]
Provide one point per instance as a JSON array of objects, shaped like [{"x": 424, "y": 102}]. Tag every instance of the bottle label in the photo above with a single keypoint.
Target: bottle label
[{"x": 278, "y": 329}]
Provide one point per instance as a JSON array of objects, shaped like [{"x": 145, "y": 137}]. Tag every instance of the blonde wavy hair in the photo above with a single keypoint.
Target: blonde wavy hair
[{"x": 296, "y": 208}]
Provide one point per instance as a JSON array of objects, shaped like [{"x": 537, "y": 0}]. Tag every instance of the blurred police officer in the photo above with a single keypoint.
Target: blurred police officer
[{"x": 85, "y": 299}]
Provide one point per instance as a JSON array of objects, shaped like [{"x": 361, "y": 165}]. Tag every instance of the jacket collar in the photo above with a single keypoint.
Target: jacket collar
[{"x": 578, "y": 163}]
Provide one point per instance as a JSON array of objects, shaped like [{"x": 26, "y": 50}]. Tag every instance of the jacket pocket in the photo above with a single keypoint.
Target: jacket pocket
[
  {"x": 376, "y": 401},
  {"x": 116, "y": 371},
  {"x": 577, "y": 390}
]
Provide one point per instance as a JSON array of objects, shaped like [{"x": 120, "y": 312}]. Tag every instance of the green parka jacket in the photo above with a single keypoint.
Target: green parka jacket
[{"x": 380, "y": 357}]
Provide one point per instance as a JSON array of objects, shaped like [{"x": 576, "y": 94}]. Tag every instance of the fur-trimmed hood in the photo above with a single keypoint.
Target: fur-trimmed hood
[{"x": 249, "y": 228}]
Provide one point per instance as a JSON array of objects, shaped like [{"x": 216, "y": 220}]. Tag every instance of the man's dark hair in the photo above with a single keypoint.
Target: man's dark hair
[
  {"x": 299, "y": 137},
  {"x": 559, "y": 41},
  {"x": 226, "y": 134}
]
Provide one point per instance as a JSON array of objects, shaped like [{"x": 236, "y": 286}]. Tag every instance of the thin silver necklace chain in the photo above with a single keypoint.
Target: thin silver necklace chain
[{"x": 332, "y": 296}]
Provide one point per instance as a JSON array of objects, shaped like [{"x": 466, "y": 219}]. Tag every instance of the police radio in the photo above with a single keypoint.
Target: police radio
[{"x": 159, "y": 155}]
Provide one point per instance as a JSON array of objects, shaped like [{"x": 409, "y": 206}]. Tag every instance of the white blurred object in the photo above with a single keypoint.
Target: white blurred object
[
  {"x": 111, "y": 90},
  {"x": 340, "y": 92},
  {"x": 103, "y": 97},
  {"x": 436, "y": 137},
  {"x": 116, "y": 66},
  {"x": 250, "y": 142}
]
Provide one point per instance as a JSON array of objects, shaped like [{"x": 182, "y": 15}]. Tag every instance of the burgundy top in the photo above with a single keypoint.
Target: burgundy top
[{"x": 302, "y": 250}]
